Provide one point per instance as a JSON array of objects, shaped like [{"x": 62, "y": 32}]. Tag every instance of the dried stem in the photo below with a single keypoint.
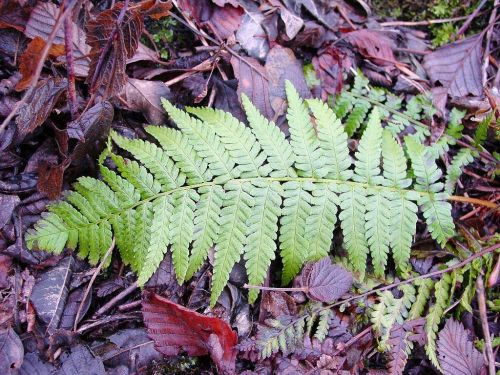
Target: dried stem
[
  {"x": 63, "y": 14},
  {"x": 481, "y": 299},
  {"x": 124, "y": 293},
  {"x": 470, "y": 18},
  {"x": 428, "y": 22}
]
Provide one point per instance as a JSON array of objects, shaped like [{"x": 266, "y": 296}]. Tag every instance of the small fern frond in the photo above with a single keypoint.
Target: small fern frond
[
  {"x": 442, "y": 293},
  {"x": 424, "y": 291},
  {"x": 463, "y": 158}
]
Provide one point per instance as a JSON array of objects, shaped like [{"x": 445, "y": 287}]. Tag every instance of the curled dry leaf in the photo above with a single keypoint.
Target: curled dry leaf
[
  {"x": 325, "y": 281},
  {"x": 107, "y": 66},
  {"x": 11, "y": 352},
  {"x": 176, "y": 329},
  {"x": 457, "y": 67},
  {"x": 328, "y": 66},
  {"x": 457, "y": 355},
  {"x": 41, "y": 22},
  {"x": 39, "y": 104}
]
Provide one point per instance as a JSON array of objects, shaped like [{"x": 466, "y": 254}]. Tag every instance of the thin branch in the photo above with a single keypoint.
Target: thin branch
[
  {"x": 124, "y": 293},
  {"x": 70, "y": 66},
  {"x": 43, "y": 55},
  {"x": 481, "y": 202},
  {"x": 428, "y": 22},
  {"x": 89, "y": 287},
  {"x": 481, "y": 299},
  {"x": 489, "y": 33},
  {"x": 470, "y": 18}
]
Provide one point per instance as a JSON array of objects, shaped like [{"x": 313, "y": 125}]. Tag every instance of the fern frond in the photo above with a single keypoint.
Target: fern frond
[
  {"x": 206, "y": 143},
  {"x": 441, "y": 292},
  {"x": 323, "y": 324},
  {"x": 218, "y": 184},
  {"x": 280, "y": 156},
  {"x": 309, "y": 159},
  {"x": 236, "y": 210},
  {"x": 206, "y": 226},
  {"x": 424, "y": 291},
  {"x": 293, "y": 244},
  {"x": 463, "y": 158},
  {"x": 333, "y": 141},
  {"x": 262, "y": 232}
]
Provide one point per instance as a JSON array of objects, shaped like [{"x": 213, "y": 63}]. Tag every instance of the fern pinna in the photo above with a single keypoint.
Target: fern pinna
[{"x": 215, "y": 182}]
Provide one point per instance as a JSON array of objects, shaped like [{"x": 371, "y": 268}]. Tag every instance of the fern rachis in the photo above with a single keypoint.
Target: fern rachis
[{"x": 202, "y": 187}]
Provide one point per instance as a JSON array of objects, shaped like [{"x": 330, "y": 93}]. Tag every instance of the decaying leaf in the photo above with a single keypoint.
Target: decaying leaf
[
  {"x": 50, "y": 179},
  {"x": 457, "y": 355},
  {"x": 457, "y": 67},
  {"x": 41, "y": 22},
  {"x": 8, "y": 204},
  {"x": 11, "y": 352},
  {"x": 176, "y": 329},
  {"x": 325, "y": 281},
  {"x": 81, "y": 361},
  {"x": 373, "y": 45},
  {"x": 13, "y": 15},
  {"x": 39, "y": 104},
  {"x": 144, "y": 96},
  {"x": 328, "y": 66},
  {"x": 30, "y": 58},
  {"x": 51, "y": 291},
  {"x": 107, "y": 66}
]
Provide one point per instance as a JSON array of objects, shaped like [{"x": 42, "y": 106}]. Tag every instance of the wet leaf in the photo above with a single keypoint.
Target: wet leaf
[
  {"x": 457, "y": 67},
  {"x": 82, "y": 362},
  {"x": 107, "y": 67},
  {"x": 325, "y": 281},
  {"x": 41, "y": 22},
  {"x": 40, "y": 104},
  {"x": 50, "y": 179},
  {"x": 175, "y": 328},
  {"x": 250, "y": 35},
  {"x": 328, "y": 66},
  {"x": 457, "y": 355},
  {"x": 75, "y": 298},
  {"x": 144, "y": 96},
  {"x": 11, "y": 352},
  {"x": 51, "y": 292},
  {"x": 8, "y": 203}
]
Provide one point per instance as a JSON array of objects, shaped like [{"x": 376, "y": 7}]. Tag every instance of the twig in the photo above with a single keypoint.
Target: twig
[
  {"x": 353, "y": 340},
  {"x": 43, "y": 55},
  {"x": 481, "y": 299},
  {"x": 89, "y": 287},
  {"x": 271, "y": 289},
  {"x": 130, "y": 305},
  {"x": 70, "y": 67},
  {"x": 470, "y": 18},
  {"x": 493, "y": 279},
  {"x": 117, "y": 299},
  {"x": 482, "y": 202}
]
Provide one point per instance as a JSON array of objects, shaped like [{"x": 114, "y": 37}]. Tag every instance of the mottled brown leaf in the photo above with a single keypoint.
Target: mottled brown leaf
[
  {"x": 41, "y": 22},
  {"x": 50, "y": 179},
  {"x": 328, "y": 66},
  {"x": 107, "y": 61},
  {"x": 31, "y": 56},
  {"x": 39, "y": 104},
  {"x": 457, "y": 67},
  {"x": 8, "y": 203},
  {"x": 155, "y": 9},
  {"x": 144, "y": 96},
  {"x": 457, "y": 355},
  {"x": 373, "y": 45},
  {"x": 326, "y": 282},
  {"x": 176, "y": 329},
  {"x": 11, "y": 352}
]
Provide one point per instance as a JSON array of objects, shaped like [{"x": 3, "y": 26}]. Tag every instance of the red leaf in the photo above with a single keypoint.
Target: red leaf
[
  {"x": 107, "y": 65},
  {"x": 457, "y": 355},
  {"x": 325, "y": 281},
  {"x": 457, "y": 66},
  {"x": 373, "y": 45},
  {"x": 328, "y": 66},
  {"x": 175, "y": 329}
]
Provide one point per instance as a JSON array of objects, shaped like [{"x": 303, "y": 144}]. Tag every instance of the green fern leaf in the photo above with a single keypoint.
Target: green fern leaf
[
  {"x": 309, "y": 160},
  {"x": 262, "y": 232},
  {"x": 378, "y": 228},
  {"x": 463, "y": 158},
  {"x": 236, "y": 210},
  {"x": 424, "y": 291},
  {"x": 206, "y": 225}
]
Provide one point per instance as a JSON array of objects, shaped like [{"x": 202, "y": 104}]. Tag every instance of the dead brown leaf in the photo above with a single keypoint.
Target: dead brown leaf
[
  {"x": 107, "y": 66},
  {"x": 39, "y": 104},
  {"x": 144, "y": 96},
  {"x": 29, "y": 60},
  {"x": 373, "y": 45},
  {"x": 50, "y": 179},
  {"x": 13, "y": 15},
  {"x": 328, "y": 65}
]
